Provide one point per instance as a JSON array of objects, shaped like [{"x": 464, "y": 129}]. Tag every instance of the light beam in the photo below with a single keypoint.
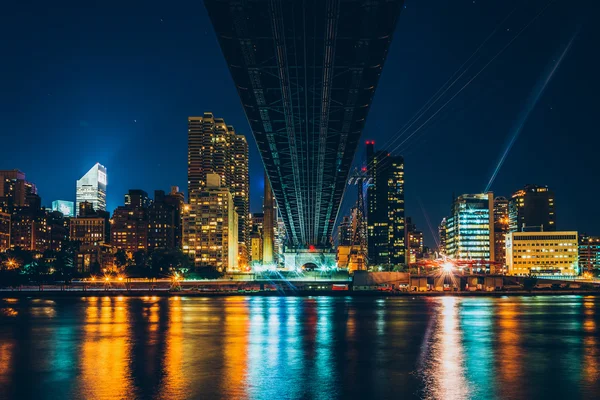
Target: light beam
[{"x": 533, "y": 99}]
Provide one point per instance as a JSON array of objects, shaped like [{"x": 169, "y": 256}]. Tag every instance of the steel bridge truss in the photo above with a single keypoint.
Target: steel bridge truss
[{"x": 306, "y": 72}]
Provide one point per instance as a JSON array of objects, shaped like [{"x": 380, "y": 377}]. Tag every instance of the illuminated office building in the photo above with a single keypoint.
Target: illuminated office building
[
  {"x": 501, "y": 228},
  {"x": 532, "y": 209},
  {"x": 215, "y": 148},
  {"x": 92, "y": 188},
  {"x": 470, "y": 228},
  {"x": 210, "y": 227},
  {"x": 443, "y": 236},
  {"x": 66, "y": 208},
  {"x": 542, "y": 253},
  {"x": 385, "y": 208},
  {"x": 589, "y": 253}
]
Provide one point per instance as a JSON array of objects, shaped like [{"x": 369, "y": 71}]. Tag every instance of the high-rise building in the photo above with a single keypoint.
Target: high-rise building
[
  {"x": 66, "y": 208},
  {"x": 257, "y": 222},
  {"x": 268, "y": 223},
  {"x": 542, "y": 253},
  {"x": 345, "y": 232},
  {"x": 443, "y": 236},
  {"x": 129, "y": 226},
  {"x": 589, "y": 253},
  {"x": 385, "y": 208},
  {"x": 532, "y": 209},
  {"x": 501, "y": 228},
  {"x": 210, "y": 227},
  {"x": 256, "y": 247},
  {"x": 215, "y": 148},
  {"x": 137, "y": 198},
  {"x": 14, "y": 190},
  {"x": 240, "y": 190},
  {"x": 92, "y": 188},
  {"x": 91, "y": 227},
  {"x": 414, "y": 242},
  {"x": 470, "y": 227},
  {"x": 58, "y": 230},
  {"x": 164, "y": 220},
  {"x": 4, "y": 231},
  {"x": 29, "y": 229}
]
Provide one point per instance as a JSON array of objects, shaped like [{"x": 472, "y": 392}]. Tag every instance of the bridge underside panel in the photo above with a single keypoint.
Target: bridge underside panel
[{"x": 306, "y": 73}]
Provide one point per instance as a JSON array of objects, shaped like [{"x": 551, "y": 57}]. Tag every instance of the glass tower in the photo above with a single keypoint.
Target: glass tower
[
  {"x": 470, "y": 228},
  {"x": 92, "y": 188}
]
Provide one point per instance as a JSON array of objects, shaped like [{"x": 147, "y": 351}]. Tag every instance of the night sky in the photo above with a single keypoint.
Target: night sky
[{"x": 114, "y": 82}]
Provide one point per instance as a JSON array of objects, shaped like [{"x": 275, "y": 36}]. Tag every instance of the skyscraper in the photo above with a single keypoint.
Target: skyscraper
[
  {"x": 470, "y": 227},
  {"x": 501, "y": 228},
  {"x": 92, "y": 188},
  {"x": 215, "y": 148},
  {"x": 532, "y": 209},
  {"x": 240, "y": 187},
  {"x": 385, "y": 208},
  {"x": 268, "y": 223}
]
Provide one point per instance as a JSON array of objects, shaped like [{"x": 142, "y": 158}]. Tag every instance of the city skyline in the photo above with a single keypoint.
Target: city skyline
[{"x": 111, "y": 131}]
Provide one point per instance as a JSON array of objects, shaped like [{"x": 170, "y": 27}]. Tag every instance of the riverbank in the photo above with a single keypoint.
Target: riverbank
[{"x": 297, "y": 293}]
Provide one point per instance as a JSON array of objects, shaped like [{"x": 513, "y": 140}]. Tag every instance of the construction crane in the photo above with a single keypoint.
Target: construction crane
[{"x": 358, "y": 256}]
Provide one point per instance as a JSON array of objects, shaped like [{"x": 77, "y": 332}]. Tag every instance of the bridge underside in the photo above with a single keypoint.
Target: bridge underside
[{"x": 306, "y": 72}]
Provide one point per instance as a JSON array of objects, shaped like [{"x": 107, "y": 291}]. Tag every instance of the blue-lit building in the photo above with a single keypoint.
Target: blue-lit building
[
  {"x": 92, "y": 188},
  {"x": 66, "y": 208},
  {"x": 470, "y": 228},
  {"x": 589, "y": 253}
]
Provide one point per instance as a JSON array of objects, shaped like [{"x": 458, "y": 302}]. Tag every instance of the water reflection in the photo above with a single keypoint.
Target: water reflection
[
  {"x": 443, "y": 370},
  {"x": 295, "y": 348},
  {"x": 104, "y": 353}
]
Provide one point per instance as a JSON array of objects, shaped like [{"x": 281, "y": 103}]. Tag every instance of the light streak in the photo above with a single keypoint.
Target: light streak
[{"x": 534, "y": 97}]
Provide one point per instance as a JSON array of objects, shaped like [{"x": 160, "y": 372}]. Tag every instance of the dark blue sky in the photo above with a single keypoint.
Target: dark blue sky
[{"x": 76, "y": 76}]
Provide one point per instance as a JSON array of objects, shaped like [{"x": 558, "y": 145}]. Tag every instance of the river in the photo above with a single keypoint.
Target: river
[{"x": 300, "y": 348}]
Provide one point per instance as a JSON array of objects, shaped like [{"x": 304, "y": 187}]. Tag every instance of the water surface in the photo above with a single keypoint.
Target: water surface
[{"x": 300, "y": 348}]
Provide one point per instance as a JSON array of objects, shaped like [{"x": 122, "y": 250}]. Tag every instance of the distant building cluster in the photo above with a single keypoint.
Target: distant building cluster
[{"x": 516, "y": 235}]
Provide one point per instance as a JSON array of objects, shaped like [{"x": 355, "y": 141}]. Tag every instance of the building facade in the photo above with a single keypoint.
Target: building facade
[
  {"x": 385, "y": 208},
  {"x": 91, "y": 228},
  {"x": 164, "y": 220},
  {"x": 4, "y": 231},
  {"x": 532, "y": 209},
  {"x": 542, "y": 253},
  {"x": 210, "y": 227},
  {"x": 215, "y": 148},
  {"x": 589, "y": 253},
  {"x": 14, "y": 190},
  {"x": 129, "y": 229},
  {"x": 470, "y": 228},
  {"x": 66, "y": 208},
  {"x": 501, "y": 229},
  {"x": 91, "y": 188},
  {"x": 414, "y": 242},
  {"x": 29, "y": 230}
]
